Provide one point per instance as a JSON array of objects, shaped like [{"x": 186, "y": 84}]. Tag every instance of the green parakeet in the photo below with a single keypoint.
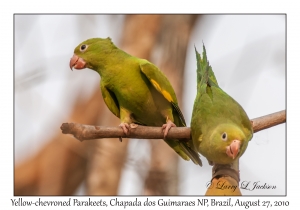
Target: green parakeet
[
  {"x": 134, "y": 90},
  {"x": 220, "y": 127}
]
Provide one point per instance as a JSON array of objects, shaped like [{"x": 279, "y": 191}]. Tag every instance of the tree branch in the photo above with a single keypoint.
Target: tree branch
[
  {"x": 90, "y": 132},
  {"x": 268, "y": 121}
]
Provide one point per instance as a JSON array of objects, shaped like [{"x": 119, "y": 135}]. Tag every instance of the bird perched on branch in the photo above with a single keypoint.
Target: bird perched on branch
[
  {"x": 220, "y": 127},
  {"x": 134, "y": 90}
]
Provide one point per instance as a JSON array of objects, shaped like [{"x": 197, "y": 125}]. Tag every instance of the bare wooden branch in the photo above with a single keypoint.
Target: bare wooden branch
[
  {"x": 90, "y": 132},
  {"x": 268, "y": 121}
]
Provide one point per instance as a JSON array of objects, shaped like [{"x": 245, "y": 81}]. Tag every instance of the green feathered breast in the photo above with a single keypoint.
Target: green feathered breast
[
  {"x": 220, "y": 127},
  {"x": 133, "y": 89}
]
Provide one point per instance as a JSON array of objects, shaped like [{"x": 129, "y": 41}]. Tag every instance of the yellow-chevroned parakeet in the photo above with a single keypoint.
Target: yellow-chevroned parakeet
[
  {"x": 134, "y": 90},
  {"x": 220, "y": 127}
]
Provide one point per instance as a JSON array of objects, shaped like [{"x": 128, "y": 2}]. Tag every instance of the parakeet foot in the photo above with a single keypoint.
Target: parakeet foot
[
  {"x": 133, "y": 125},
  {"x": 125, "y": 127},
  {"x": 166, "y": 127}
]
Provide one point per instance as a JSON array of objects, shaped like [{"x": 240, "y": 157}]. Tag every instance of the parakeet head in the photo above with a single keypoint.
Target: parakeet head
[
  {"x": 91, "y": 53},
  {"x": 227, "y": 142}
]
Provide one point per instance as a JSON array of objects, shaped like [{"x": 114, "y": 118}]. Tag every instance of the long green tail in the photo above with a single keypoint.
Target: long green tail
[
  {"x": 184, "y": 150},
  {"x": 205, "y": 74}
]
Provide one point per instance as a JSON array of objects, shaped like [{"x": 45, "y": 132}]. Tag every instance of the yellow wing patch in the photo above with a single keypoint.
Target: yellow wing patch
[
  {"x": 164, "y": 92},
  {"x": 167, "y": 96},
  {"x": 155, "y": 84}
]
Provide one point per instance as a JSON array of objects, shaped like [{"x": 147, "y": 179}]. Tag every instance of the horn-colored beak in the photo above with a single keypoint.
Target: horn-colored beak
[
  {"x": 77, "y": 63},
  {"x": 233, "y": 149}
]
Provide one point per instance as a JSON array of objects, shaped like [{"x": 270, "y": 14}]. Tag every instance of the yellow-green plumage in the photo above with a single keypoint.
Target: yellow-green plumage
[
  {"x": 135, "y": 90},
  {"x": 214, "y": 114}
]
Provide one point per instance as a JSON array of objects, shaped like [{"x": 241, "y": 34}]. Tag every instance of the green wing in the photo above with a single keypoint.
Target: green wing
[
  {"x": 110, "y": 100},
  {"x": 161, "y": 84}
]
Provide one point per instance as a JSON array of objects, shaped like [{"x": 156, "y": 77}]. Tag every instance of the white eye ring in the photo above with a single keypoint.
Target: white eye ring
[
  {"x": 83, "y": 47},
  {"x": 224, "y": 136}
]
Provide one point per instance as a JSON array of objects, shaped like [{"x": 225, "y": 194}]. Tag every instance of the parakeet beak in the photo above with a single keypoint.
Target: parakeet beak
[
  {"x": 233, "y": 149},
  {"x": 77, "y": 62}
]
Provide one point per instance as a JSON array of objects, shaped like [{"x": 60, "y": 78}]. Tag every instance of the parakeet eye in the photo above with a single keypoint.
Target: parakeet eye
[
  {"x": 224, "y": 136},
  {"x": 83, "y": 47}
]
